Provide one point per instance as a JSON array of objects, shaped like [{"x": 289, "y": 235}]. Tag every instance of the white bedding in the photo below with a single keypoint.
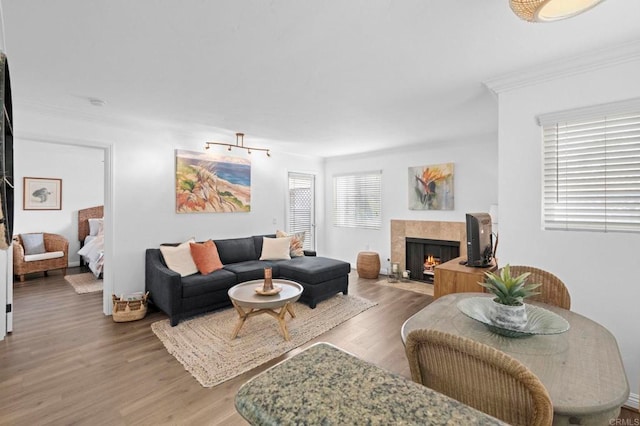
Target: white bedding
[{"x": 93, "y": 253}]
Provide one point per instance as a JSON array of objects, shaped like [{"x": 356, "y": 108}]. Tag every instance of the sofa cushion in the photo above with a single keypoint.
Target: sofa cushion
[
  {"x": 43, "y": 256},
  {"x": 252, "y": 269},
  {"x": 197, "y": 284},
  {"x": 257, "y": 242},
  {"x": 205, "y": 255},
  {"x": 236, "y": 250},
  {"x": 33, "y": 243},
  {"x": 296, "y": 244},
  {"x": 179, "y": 258},
  {"x": 275, "y": 248},
  {"x": 313, "y": 270}
]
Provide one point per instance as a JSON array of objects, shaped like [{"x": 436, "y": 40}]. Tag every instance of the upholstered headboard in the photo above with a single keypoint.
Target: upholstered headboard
[{"x": 83, "y": 220}]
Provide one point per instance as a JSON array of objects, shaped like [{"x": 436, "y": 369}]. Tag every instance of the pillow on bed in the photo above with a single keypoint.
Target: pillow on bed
[
  {"x": 179, "y": 258},
  {"x": 94, "y": 226},
  {"x": 33, "y": 243},
  {"x": 275, "y": 248},
  {"x": 206, "y": 257}
]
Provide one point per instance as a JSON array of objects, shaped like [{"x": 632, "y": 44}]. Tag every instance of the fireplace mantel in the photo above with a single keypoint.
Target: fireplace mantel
[{"x": 401, "y": 229}]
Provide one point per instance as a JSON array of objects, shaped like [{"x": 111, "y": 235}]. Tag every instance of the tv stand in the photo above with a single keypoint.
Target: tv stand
[
  {"x": 465, "y": 262},
  {"x": 455, "y": 276}
]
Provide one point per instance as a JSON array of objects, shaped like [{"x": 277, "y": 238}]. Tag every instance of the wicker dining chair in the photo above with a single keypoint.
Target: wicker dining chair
[
  {"x": 552, "y": 291},
  {"x": 478, "y": 375}
]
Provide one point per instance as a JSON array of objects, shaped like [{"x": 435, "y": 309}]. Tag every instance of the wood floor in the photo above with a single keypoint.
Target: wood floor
[{"x": 67, "y": 363}]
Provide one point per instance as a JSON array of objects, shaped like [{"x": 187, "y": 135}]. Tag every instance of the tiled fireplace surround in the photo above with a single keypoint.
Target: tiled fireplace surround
[{"x": 401, "y": 229}]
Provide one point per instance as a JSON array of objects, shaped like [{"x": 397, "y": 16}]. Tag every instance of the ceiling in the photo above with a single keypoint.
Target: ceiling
[{"x": 323, "y": 77}]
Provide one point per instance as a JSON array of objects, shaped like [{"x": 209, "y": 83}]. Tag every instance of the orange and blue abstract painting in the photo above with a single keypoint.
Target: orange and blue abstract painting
[{"x": 212, "y": 183}]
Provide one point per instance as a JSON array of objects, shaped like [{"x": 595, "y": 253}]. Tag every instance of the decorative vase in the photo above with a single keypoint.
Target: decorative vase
[
  {"x": 268, "y": 282},
  {"x": 509, "y": 317}
]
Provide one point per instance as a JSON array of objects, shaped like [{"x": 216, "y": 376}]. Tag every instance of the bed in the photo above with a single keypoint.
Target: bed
[{"x": 91, "y": 237}]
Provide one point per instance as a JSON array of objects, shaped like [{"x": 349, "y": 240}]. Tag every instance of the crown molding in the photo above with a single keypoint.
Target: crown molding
[{"x": 602, "y": 58}]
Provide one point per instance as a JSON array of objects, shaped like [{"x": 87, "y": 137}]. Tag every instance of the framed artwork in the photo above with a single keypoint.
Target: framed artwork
[
  {"x": 431, "y": 187},
  {"x": 42, "y": 194},
  {"x": 212, "y": 183}
]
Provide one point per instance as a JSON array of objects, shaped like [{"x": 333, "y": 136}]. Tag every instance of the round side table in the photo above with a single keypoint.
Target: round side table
[{"x": 368, "y": 265}]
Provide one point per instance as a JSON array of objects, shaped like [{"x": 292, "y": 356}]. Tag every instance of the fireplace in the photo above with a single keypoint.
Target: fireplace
[{"x": 423, "y": 255}]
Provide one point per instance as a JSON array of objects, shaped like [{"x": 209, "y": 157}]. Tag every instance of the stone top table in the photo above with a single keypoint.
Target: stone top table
[
  {"x": 581, "y": 368},
  {"x": 324, "y": 385}
]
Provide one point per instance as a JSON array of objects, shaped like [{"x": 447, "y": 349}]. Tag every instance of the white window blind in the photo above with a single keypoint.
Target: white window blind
[
  {"x": 357, "y": 200},
  {"x": 301, "y": 208},
  {"x": 592, "y": 172}
]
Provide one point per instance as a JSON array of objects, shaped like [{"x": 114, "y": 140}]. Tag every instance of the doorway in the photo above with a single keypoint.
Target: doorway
[
  {"x": 74, "y": 197},
  {"x": 301, "y": 208}
]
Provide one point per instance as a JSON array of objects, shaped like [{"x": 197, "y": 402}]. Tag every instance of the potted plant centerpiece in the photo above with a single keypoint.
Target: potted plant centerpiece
[{"x": 509, "y": 309}]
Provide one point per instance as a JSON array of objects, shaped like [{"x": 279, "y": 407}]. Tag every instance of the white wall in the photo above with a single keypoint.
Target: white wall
[
  {"x": 82, "y": 172},
  {"x": 600, "y": 269},
  {"x": 143, "y": 181},
  {"x": 475, "y": 189}
]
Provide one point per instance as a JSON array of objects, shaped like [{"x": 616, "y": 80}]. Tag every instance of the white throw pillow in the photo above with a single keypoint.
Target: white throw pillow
[
  {"x": 94, "y": 226},
  {"x": 179, "y": 258},
  {"x": 275, "y": 248}
]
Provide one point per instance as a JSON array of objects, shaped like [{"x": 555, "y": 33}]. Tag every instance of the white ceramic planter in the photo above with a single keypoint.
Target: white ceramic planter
[{"x": 509, "y": 317}]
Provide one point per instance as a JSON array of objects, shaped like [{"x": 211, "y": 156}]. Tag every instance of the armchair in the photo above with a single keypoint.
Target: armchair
[{"x": 56, "y": 256}]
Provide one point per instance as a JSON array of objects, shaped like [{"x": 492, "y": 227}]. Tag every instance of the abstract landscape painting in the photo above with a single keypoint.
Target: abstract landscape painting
[
  {"x": 212, "y": 183},
  {"x": 431, "y": 187}
]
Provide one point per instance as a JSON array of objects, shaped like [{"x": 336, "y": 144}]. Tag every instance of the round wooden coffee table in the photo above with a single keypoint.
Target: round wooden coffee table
[{"x": 249, "y": 303}]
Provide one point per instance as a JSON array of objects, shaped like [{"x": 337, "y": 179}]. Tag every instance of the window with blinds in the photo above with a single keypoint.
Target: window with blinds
[
  {"x": 592, "y": 171},
  {"x": 301, "y": 207},
  {"x": 357, "y": 200}
]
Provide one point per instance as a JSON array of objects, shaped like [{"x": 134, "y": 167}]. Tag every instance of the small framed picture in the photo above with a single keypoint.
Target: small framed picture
[{"x": 42, "y": 194}]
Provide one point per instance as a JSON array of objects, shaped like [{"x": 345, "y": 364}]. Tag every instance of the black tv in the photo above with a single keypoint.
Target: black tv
[{"x": 479, "y": 240}]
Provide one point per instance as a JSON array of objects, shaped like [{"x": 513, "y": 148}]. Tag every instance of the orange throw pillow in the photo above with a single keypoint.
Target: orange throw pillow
[{"x": 206, "y": 257}]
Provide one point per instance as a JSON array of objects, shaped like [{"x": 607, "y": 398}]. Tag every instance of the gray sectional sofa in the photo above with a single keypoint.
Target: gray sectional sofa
[{"x": 182, "y": 297}]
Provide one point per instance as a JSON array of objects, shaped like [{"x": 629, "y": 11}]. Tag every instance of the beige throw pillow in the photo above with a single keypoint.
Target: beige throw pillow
[
  {"x": 297, "y": 242},
  {"x": 275, "y": 248},
  {"x": 179, "y": 258}
]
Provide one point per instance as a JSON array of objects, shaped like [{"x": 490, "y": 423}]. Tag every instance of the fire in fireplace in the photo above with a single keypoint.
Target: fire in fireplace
[
  {"x": 430, "y": 262},
  {"x": 423, "y": 255}
]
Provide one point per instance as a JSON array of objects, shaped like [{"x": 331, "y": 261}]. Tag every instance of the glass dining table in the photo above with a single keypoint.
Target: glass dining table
[{"x": 580, "y": 367}]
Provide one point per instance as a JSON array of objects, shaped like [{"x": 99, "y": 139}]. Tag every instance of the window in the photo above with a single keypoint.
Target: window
[
  {"x": 301, "y": 207},
  {"x": 592, "y": 169},
  {"x": 357, "y": 200}
]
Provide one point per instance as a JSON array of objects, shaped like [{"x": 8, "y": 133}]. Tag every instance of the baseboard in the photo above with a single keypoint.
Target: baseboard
[
  {"x": 74, "y": 264},
  {"x": 633, "y": 402}
]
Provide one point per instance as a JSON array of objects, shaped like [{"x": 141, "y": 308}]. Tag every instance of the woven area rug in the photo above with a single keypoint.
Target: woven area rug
[
  {"x": 415, "y": 286},
  {"x": 204, "y": 347},
  {"x": 84, "y": 283}
]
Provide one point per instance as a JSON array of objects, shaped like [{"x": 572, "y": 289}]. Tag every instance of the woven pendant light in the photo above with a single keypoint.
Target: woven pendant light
[{"x": 550, "y": 10}]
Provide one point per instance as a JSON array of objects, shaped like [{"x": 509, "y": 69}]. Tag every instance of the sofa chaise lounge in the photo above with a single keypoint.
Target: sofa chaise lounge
[{"x": 182, "y": 297}]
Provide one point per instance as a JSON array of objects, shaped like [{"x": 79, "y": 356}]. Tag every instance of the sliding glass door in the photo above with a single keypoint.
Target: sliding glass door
[{"x": 301, "y": 208}]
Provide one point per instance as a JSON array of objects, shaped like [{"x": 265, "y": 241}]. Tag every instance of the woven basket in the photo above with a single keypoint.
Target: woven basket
[{"x": 129, "y": 310}]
